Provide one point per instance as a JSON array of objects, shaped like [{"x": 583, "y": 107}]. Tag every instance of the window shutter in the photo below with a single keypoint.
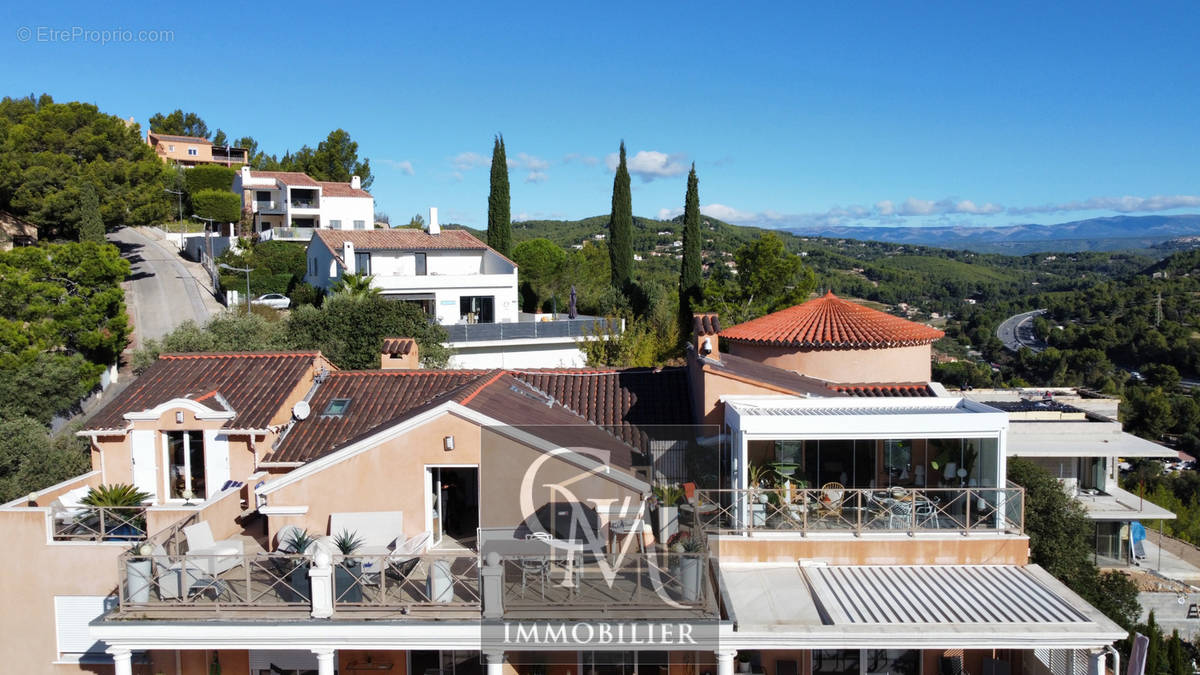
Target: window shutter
[{"x": 72, "y": 613}]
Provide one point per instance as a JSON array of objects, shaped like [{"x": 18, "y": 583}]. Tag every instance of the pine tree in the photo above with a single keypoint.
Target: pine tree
[
  {"x": 91, "y": 227},
  {"x": 499, "y": 232},
  {"x": 689, "y": 272},
  {"x": 620, "y": 228}
]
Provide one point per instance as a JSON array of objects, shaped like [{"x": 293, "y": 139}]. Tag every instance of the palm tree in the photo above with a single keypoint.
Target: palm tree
[{"x": 356, "y": 286}]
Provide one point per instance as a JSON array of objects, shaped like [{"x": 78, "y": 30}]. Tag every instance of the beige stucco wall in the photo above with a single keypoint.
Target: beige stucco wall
[
  {"x": 949, "y": 549},
  {"x": 715, "y": 386},
  {"x": 35, "y": 573},
  {"x": 896, "y": 364}
]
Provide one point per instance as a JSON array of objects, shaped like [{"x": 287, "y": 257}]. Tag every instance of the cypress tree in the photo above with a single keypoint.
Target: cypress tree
[
  {"x": 499, "y": 232},
  {"x": 91, "y": 227},
  {"x": 620, "y": 228},
  {"x": 689, "y": 271}
]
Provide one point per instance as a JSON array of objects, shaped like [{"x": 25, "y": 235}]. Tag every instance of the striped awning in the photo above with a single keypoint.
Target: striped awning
[{"x": 937, "y": 594}]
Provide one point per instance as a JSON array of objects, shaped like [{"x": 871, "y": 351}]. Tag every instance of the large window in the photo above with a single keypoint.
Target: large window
[
  {"x": 335, "y": 224},
  {"x": 360, "y": 224},
  {"x": 362, "y": 263},
  {"x": 185, "y": 450},
  {"x": 419, "y": 258},
  {"x": 477, "y": 308},
  {"x": 625, "y": 663},
  {"x": 866, "y": 662}
]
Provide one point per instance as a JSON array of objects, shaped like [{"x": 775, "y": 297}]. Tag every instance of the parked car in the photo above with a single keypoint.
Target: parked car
[{"x": 275, "y": 300}]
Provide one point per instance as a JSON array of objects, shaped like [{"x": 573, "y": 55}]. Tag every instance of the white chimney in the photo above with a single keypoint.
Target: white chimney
[
  {"x": 245, "y": 174},
  {"x": 348, "y": 256},
  {"x": 356, "y": 182},
  {"x": 434, "y": 228}
]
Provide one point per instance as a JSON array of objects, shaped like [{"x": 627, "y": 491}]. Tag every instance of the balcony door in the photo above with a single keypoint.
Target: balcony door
[{"x": 452, "y": 510}]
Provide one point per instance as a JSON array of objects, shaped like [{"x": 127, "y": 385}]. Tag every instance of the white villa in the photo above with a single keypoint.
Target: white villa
[{"x": 291, "y": 206}]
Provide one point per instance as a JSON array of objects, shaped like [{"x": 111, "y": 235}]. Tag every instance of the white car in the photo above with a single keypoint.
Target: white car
[{"x": 275, "y": 300}]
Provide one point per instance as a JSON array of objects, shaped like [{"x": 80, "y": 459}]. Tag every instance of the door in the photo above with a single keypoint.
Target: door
[
  {"x": 144, "y": 466},
  {"x": 453, "y": 499}
]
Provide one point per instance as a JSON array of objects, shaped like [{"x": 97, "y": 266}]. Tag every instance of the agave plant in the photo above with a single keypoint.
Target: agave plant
[
  {"x": 298, "y": 540},
  {"x": 348, "y": 542},
  {"x": 119, "y": 494}
]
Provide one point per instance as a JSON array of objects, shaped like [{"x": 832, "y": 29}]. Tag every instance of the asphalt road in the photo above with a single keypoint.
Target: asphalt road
[
  {"x": 163, "y": 290},
  {"x": 1017, "y": 331}
]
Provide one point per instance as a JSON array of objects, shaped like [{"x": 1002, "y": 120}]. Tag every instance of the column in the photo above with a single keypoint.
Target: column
[
  {"x": 122, "y": 660},
  {"x": 1096, "y": 665},
  {"x": 325, "y": 658},
  {"x": 495, "y": 663},
  {"x": 725, "y": 662}
]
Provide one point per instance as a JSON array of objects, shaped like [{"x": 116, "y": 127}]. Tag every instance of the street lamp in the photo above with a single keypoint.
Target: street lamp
[
  {"x": 247, "y": 270},
  {"x": 179, "y": 194}
]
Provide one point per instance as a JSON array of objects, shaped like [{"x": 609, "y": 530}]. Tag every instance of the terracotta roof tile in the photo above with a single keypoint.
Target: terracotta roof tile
[
  {"x": 180, "y": 139},
  {"x": 256, "y": 385},
  {"x": 398, "y": 239},
  {"x": 400, "y": 346},
  {"x": 915, "y": 389},
  {"x": 293, "y": 178},
  {"x": 706, "y": 324},
  {"x": 830, "y": 322},
  {"x": 333, "y": 189}
]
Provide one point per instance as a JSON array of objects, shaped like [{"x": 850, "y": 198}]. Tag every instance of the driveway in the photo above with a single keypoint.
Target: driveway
[
  {"x": 1017, "y": 331},
  {"x": 164, "y": 289}
]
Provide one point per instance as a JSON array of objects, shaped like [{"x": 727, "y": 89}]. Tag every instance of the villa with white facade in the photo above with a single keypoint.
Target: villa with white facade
[
  {"x": 462, "y": 284},
  {"x": 689, "y": 520},
  {"x": 289, "y": 205}
]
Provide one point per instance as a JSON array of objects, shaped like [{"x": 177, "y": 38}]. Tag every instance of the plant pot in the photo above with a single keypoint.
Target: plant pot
[
  {"x": 951, "y": 471},
  {"x": 743, "y": 666},
  {"x": 137, "y": 580},
  {"x": 689, "y": 576},
  {"x": 301, "y": 585},
  {"x": 346, "y": 584},
  {"x": 668, "y": 522}
]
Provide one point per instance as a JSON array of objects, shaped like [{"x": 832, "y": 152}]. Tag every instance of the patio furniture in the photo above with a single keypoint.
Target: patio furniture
[
  {"x": 380, "y": 531},
  {"x": 409, "y": 551},
  {"x": 213, "y": 556},
  {"x": 832, "y": 496},
  {"x": 694, "y": 507},
  {"x": 174, "y": 578},
  {"x": 69, "y": 506}
]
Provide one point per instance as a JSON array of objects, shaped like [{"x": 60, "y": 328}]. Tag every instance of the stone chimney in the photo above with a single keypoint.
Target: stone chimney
[
  {"x": 348, "y": 257},
  {"x": 434, "y": 228},
  {"x": 399, "y": 354},
  {"x": 355, "y": 182},
  {"x": 705, "y": 327}
]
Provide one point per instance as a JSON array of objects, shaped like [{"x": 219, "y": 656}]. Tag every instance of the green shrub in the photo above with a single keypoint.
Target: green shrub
[
  {"x": 208, "y": 177},
  {"x": 220, "y": 205}
]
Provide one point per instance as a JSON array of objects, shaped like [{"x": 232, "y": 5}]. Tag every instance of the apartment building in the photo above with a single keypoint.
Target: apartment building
[
  {"x": 724, "y": 515},
  {"x": 291, "y": 206},
  {"x": 189, "y": 151}
]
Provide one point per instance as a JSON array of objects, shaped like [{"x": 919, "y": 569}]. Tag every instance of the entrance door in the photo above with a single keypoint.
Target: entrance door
[{"x": 453, "y": 503}]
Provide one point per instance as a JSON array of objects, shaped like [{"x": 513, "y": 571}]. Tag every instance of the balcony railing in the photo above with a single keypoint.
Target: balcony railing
[
  {"x": 527, "y": 330},
  {"x": 304, "y": 204},
  {"x": 100, "y": 523},
  {"x": 271, "y": 206},
  {"x": 432, "y": 581},
  {"x": 287, "y": 234},
  {"x": 822, "y": 510}
]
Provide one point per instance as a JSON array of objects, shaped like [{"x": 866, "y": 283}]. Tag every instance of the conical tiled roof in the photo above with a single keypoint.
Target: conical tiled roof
[{"x": 832, "y": 323}]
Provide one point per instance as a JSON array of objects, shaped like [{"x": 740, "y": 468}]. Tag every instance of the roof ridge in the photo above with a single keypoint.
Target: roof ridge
[
  {"x": 405, "y": 372},
  {"x": 226, "y": 355},
  {"x": 498, "y": 374}
]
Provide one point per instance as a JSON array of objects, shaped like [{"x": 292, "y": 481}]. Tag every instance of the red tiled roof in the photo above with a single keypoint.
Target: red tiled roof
[
  {"x": 399, "y": 239},
  {"x": 256, "y": 385},
  {"x": 333, "y": 189},
  {"x": 915, "y": 389},
  {"x": 398, "y": 345},
  {"x": 293, "y": 178},
  {"x": 180, "y": 139},
  {"x": 832, "y": 323}
]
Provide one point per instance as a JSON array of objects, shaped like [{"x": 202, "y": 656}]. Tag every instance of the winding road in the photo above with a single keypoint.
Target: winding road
[
  {"x": 163, "y": 289},
  {"x": 1017, "y": 331}
]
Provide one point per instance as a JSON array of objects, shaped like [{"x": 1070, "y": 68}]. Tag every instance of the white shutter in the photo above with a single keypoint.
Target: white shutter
[
  {"x": 72, "y": 613},
  {"x": 287, "y": 659},
  {"x": 142, "y": 454},
  {"x": 216, "y": 457}
]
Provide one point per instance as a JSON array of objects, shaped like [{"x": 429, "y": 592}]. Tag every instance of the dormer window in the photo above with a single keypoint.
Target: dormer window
[{"x": 337, "y": 407}]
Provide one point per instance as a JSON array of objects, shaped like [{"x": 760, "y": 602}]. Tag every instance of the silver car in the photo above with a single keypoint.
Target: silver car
[{"x": 275, "y": 300}]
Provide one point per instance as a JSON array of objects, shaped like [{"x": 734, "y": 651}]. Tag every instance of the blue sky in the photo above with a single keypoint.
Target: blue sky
[{"x": 794, "y": 113}]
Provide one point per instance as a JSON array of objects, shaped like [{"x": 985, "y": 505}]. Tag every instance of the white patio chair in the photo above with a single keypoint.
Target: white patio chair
[{"x": 214, "y": 556}]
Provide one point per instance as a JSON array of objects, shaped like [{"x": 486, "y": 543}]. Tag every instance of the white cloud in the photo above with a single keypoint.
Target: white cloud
[
  {"x": 650, "y": 164},
  {"x": 726, "y": 213},
  {"x": 526, "y": 161},
  {"x": 586, "y": 160},
  {"x": 667, "y": 214},
  {"x": 1126, "y": 204},
  {"x": 465, "y": 161},
  {"x": 403, "y": 166},
  {"x": 535, "y": 177}
]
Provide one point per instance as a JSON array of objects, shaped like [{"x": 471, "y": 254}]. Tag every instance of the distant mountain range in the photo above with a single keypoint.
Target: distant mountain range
[{"x": 1095, "y": 234}]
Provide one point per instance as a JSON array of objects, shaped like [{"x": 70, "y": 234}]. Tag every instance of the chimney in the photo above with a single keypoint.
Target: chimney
[
  {"x": 705, "y": 327},
  {"x": 348, "y": 256},
  {"x": 434, "y": 228},
  {"x": 245, "y": 174},
  {"x": 356, "y": 182},
  {"x": 399, "y": 354}
]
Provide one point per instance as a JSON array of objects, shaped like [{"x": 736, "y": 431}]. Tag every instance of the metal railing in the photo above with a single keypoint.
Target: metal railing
[
  {"x": 304, "y": 204},
  {"x": 652, "y": 580},
  {"x": 100, "y": 523},
  {"x": 288, "y": 233},
  {"x": 525, "y": 330},
  {"x": 865, "y": 510},
  {"x": 407, "y": 584},
  {"x": 207, "y": 582},
  {"x": 268, "y": 207}
]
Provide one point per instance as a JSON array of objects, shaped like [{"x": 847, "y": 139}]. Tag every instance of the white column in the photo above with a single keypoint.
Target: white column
[
  {"x": 495, "y": 663},
  {"x": 1096, "y": 665},
  {"x": 324, "y": 661},
  {"x": 725, "y": 662},
  {"x": 122, "y": 660}
]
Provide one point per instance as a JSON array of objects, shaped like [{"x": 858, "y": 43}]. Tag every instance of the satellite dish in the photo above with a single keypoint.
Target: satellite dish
[{"x": 301, "y": 410}]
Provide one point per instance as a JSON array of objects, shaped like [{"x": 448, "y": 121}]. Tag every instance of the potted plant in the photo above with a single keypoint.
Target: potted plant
[
  {"x": 297, "y": 587},
  {"x": 138, "y": 573},
  {"x": 347, "y": 572},
  {"x": 122, "y": 516},
  {"x": 689, "y": 551},
  {"x": 743, "y": 658},
  {"x": 667, "y": 513}
]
